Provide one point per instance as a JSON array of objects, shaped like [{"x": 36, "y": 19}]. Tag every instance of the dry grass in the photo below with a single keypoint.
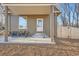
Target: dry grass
[{"x": 60, "y": 49}]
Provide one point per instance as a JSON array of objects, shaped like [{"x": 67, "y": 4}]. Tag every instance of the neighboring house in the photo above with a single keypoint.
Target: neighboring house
[{"x": 41, "y": 18}]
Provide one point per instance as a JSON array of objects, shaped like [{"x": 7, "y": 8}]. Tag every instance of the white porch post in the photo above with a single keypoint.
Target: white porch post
[
  {"x": 52, "y": 24},
  {"x": 6, "y": 24}
]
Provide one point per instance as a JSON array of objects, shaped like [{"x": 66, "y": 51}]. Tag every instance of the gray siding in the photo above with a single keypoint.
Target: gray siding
[{"x": 13, "y": 23}]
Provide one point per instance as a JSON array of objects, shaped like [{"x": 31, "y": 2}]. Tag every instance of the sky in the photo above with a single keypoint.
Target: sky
[{"x": 61, "y": 8}]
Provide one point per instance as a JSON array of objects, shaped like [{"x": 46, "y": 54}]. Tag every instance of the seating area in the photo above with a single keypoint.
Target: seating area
[
  {"x": 26, "y": 34},
  {"x": 19, "y": 34}
]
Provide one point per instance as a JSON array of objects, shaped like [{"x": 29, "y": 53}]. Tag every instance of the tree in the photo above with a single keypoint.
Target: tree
[{"x": 70, "y": 14}]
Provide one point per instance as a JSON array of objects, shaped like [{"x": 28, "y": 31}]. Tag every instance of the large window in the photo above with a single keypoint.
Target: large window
[
  {"x": 39, "y": 24},
  {"x": 22, "y": 23}
]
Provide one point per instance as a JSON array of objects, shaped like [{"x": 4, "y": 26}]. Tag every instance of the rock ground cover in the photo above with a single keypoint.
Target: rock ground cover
[{"x": 59, "y": 49}]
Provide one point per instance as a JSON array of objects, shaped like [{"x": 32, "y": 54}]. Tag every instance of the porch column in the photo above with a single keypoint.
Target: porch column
[
  {"x": 6, "y": 24},
  {"x": 53, "y": 26},
  {"x": 9, "y": 22}
]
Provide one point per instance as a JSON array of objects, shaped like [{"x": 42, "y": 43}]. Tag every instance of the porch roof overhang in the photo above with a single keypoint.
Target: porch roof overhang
[{"x": 31, "y": 9}]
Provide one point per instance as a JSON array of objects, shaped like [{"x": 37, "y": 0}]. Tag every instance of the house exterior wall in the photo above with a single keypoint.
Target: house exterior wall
[
  {"x": 13, "y": 23},
  {"x": 31, "y": 23},
  {"x": 47, "y": 25}
]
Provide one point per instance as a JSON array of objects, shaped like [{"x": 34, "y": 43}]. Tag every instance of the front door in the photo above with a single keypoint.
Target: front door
[{"x": 39, "y": 25}]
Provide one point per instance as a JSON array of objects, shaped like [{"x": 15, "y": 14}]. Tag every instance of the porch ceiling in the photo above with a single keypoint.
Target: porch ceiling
[{"x": 30, "y": 9}]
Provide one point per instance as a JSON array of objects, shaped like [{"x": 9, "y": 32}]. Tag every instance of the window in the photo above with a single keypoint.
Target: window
[
  {"x": 22, "y": 23},
  {"x": 39, "y": 24}
]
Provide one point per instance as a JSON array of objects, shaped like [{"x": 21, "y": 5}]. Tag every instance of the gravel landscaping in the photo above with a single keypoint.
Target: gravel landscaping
[{"x": 59, "y": 49}]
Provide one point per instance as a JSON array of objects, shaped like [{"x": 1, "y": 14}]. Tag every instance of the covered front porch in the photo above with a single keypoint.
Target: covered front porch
[{"x": 41, "y": 23}]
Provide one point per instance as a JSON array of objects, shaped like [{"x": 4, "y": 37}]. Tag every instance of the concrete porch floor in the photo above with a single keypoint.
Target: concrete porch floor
[{"x": 26, "y": 40}]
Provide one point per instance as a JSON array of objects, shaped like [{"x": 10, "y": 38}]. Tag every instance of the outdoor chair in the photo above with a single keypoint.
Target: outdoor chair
[
  {"x": 14, "y": 34},
  {"x": 26, "y": 34},
  {"x": 23, "y": 34},
  {"x": 19, "y": 34}
]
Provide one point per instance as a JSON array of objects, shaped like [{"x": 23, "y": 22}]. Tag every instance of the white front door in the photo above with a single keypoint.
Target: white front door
[{"x": 39, "y": 25}]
